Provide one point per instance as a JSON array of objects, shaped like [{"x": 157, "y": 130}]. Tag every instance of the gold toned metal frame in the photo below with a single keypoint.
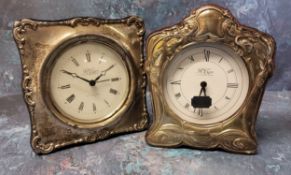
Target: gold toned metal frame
[
  {"x": 38, "y": 41},
  {"x": 209, "y": 24}
]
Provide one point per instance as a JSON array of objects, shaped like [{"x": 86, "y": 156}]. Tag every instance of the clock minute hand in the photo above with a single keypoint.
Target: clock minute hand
[
  {"x": 110, "y": 67},
  {"x": 74, "y": 75},
  {"x": 103, "y": 72}
]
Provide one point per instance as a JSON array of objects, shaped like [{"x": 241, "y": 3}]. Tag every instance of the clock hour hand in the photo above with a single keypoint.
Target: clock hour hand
[
  {"x": 74, "y": 75},
  {"x": 101, "y": 81}
]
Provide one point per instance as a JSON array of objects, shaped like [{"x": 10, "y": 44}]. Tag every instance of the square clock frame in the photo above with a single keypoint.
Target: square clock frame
[{"x": 40, "y": 41}]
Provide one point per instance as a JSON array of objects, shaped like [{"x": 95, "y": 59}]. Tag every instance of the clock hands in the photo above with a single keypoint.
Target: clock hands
[
  {"x": 74, "y": 75},
  {"x": 91, "y": 82},
  {"x": 201, "y": 101},
  {"x": 101, "y": 81},
  {"x": 203, "y": 85},
  {"x": 103, "y": 72},
  {"x": 101, "y": 75}
]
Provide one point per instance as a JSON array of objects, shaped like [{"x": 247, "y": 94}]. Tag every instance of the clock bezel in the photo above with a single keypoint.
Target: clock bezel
[
  {"x": 209, "y": 24},
  {"x": 46, "y": 75}
]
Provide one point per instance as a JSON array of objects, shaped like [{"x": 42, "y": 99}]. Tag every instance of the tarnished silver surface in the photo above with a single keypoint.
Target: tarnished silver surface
[
  {"x": 208, "y": 24},
  {"x": 130, "y": 154}
]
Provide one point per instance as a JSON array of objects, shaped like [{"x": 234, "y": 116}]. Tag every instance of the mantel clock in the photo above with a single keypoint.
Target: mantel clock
[
  {"x": 83, "y": 79},
  {"x": 207, "y": 76}
]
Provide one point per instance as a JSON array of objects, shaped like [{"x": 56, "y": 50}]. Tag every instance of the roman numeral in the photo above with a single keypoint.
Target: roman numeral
[
  {"x": 75, "y": 61},
  {"x": 178, "y": 95},
  {"x": 187, "y": 105},
  {"x": 220, "y": 59},
  {"x": 176, "y": 82},
  {"x": 226, "y": 97},
  {"x": 180, "y": 68},
  {"x": 200, "y": 112},
  {"x": 115, "y": 79},
  {"x": 101, "y": 59},
  {"x": 71, "y": 98},
  {"x": 191, "y": 57},
  {"x": 65, "y": 86},
  {"x": 94, "y": 107},
  {"x": 232, "y": 85},
  {"x": 107, "y": 103},
  {"x": 230, "y": 71},
  {"x": 206, "y": 55},
  {"x": 113, "y": 91},
  {"x": 88, "y": 56},
  {"x": 81, "y": 106}
]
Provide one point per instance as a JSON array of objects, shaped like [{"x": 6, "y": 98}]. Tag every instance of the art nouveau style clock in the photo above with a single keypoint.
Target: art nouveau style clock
[
  {"x": 83, "y": 79},
  {"x": 207, "y": 76}
]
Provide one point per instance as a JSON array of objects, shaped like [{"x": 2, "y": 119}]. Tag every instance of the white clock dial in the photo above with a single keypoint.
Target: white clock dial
[
  {"x": 89, "y": 82},
  {"x": 220, "y": 68}
]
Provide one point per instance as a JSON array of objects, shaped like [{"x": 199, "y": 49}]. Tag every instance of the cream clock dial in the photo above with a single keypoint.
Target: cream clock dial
[
  {"x": 206, "y": 70},
  {"x": 89, "y": 82}
]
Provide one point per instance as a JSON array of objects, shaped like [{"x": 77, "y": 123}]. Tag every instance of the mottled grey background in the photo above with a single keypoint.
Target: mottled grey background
[{"x": 130, "y": 154}]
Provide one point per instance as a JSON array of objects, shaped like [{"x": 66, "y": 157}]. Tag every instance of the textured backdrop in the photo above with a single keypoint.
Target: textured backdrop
[
  {"x": 130, "y": 154},
  {"x": 267, "y": 15}
]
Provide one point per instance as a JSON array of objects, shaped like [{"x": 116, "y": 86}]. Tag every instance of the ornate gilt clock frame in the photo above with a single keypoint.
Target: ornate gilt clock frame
[
  {"x": 209, "y": 24},
  {"x": 36, "y": 40}
]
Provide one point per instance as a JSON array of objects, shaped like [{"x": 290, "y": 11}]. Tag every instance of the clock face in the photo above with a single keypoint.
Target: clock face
[
  {"x": 214, "y": 75},
  {"x": 89, "y": 82}
]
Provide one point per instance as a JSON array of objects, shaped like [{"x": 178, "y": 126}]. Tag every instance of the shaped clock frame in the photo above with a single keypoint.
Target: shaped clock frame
[
  {"x": 209, "y": 24},
  {"x": 37, "y": 40}
]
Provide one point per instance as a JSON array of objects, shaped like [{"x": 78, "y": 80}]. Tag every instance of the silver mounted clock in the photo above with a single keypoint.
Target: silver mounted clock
[
  {"x": 207, "y": 76},
  {"x": 83, "y": 79}
]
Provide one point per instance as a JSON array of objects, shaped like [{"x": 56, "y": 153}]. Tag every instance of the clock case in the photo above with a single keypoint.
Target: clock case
[
  {"x": 37, "y": 40},
  {"x": 209, "y": 24}
]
